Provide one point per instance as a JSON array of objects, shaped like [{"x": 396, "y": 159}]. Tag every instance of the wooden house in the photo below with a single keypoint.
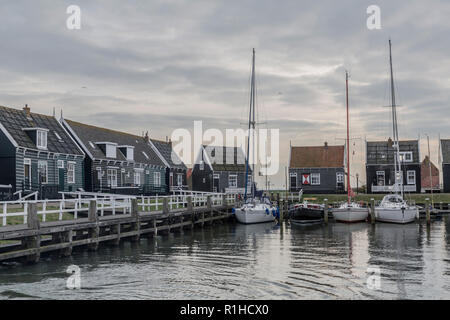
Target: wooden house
[
  {"x": 219, "y": 169},
  {"x": 445, "y": 156},
  {"x": 37, "y": 154},
  {"x": 380, "y": 170},
  {"x": 118, "y": 162},
  {"x": 317, "y": 169},
  {"x": 429, "y": 181},
  {"x": 176, "y": 175}
]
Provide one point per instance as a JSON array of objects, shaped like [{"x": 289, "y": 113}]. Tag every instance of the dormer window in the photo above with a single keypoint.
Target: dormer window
[
  {"x": 38, "y": 136},
  {"x": 128, "y": 152},
  {"x": 108, "y": 148}
]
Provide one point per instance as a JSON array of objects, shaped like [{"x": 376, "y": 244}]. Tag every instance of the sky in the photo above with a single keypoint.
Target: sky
[{"x": 161, "y": 65}]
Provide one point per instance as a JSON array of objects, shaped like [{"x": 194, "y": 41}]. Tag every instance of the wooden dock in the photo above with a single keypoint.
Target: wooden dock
[{"x": 108, "y": 219}]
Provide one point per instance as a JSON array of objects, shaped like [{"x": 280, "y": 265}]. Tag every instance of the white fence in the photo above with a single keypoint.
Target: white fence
[{"x": 70, "y": 208}]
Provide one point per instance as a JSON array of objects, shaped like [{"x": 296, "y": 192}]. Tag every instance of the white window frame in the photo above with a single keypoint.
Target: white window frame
[
  {"x": 45, "y": 163},
  {"x": 340, "y": 177},
  {"x": 137, "y": 178},
  {"x": 71, "y": 172},
  {"x": 41, "y": 139},
  {"x": 60, "y": 164},
  {"x": 27, "y": 161},
  {"x": 408, "y": 181},
  {"x": 406, "y": 156},
  {"x": 232, "y": 178},
  {"x": 293, "y": 174},
  {"x": 379, "y": 173},
  {"x": 157, "y": 178},
  {"x": 313, "y": 176},
  {"x": 179, "y": 179},
  {"x": 111, "y": 173},
  {"x": 202, "y": 165}
]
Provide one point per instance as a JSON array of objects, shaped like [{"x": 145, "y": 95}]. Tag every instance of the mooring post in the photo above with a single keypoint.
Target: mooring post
[
  {"x": 372, "y": 210},
  {"x": 190, "y": 210},
  {"x": 427, "y": 210},
  {"x": 33, "y": 242},
  {"x": 325, "y": 211},
  {"x": 137, "y": 223},
  {"x": 166, "y": 212},
  {"x": 441, "y": 206},
  {"x": 224, "y": 202},
  {"x": 210, "y": 210},
  {"x": 94, "y": 231}
]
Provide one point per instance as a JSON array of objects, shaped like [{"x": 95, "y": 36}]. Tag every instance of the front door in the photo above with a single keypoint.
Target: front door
[
  {"x": 27, "y": 173},
  {"x": 216, "y": 183},
  {"x": 61, "y": 179}
]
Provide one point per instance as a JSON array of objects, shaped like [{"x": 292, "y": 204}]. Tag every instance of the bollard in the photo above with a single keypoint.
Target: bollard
[
  {"x": 427, "y": 210},
  {"x": 325, "y": 211},
  {"x": 372, "y": 210}
]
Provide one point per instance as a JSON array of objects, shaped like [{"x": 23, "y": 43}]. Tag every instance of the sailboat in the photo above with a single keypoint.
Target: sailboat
[
  {"x": 393, "y": 208},
  {"x": 254, "y": 210},
  {"x": 349, "y": 211}
]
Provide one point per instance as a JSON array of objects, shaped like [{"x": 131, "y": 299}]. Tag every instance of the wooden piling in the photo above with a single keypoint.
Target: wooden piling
[
  {"x": 190, "y": 210},
  {"x": 136, "y": 226},
  {"x": 210, "y": 210},
  {"x": 325, "y": 211},
  {"x": 372, "y": 210},
  {"x": 427, "y": 210},
  {"x": 94, "y": 231},
  {"x": 33, "y": 242}
]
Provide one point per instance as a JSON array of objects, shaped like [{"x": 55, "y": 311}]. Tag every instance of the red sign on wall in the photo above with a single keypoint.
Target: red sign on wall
[{"x": 306, "y": 179}]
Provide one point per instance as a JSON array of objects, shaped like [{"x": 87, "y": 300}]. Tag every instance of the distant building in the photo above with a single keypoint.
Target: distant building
[
  {"x": 118, "y": 162},
  {"x": 37, "y": 154},
  {"x": 428, "y": 183},
  {"x": 445, "y": 156},
  {"x": 220, "y": 169},
  {"x": 318, "y": 169},
  {"x": 380, "y": 169},
  {"x": 176, "y": 175}
]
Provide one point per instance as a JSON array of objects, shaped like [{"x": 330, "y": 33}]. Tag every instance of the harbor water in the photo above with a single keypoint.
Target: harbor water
[{"x": 263, "y": 261}]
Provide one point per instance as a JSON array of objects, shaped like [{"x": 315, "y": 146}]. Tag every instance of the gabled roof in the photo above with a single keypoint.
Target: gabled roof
[
  {"x": 382, "y": 152},
  {"x": 88, "y": 135},
  {"x": 445, "y": 149},
  {"x": 14, "y": 121},
  {"x": 166, "y": 151},
  {"x": 225, "y": 158},
  {"x": 317, "y": 157},
  {"x": 425, "y": 174}
]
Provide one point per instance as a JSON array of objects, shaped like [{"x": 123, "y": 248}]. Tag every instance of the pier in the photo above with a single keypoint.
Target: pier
[{"x": 32, "y": 228}]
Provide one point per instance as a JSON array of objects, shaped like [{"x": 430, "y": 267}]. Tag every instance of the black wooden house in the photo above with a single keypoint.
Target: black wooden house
[
  {"x": 220, "y": 169},
  {"x": 118, "y": 162},
  {"x": 445, "y": 156},
  {"x": 37, "y": 154},
  {"x": 380, "y": 169}
]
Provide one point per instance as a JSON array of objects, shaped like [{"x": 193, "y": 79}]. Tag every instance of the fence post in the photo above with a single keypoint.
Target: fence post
[
  {"x": 33, "y": 242},
  {"x": 95, "y": 230},
  {"x": 325, "y": 211}
]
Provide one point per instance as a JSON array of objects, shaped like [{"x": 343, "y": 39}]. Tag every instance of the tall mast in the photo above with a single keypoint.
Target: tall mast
[
  {"x": 348, "y": 142},
  {"x": 251, "y": 124},
  {"x": 397, "y": 165}
]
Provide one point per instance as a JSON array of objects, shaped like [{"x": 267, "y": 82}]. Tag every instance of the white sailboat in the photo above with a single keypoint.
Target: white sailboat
[
  {"x": 349, "y": 211},
  {"x": 393, "y": 208},
  {"x": 253, "y": 210}
]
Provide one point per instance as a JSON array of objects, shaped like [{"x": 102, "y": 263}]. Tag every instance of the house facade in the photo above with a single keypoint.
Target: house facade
[
  {"x": 38, "y": 154},
  {"x": 445, "y": 156},
  {"x": 380, "y": 169},
  {"x": 118, "y": 162},
  {"x": 429, "y": 180},
  {"x": 220, "y": 169},
  {"x": 317, "y": 169},
  {"x": 176, "y": 170}
]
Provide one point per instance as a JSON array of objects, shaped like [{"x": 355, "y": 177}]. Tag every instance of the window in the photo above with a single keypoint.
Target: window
[
  {"x": 70, "y": 172},
  {"x": 43, "y": 172},
  {"x": 232, "y": 181},
  {"x": 111, "y": 151},
  {"x": 202, "y": 165},
  {"x": 380, "y": 178},
  {"x": 180, "y": 179},
  {"x": 171, "y": 179},
  {"x": 293, "y": 178},
  {"x": 406, "y": 156},
  {"x": 411, "y": 177},
  {"x": 315, "y": 179},
  {"x": 157, "y": 178},
  {"x": 339, "y": 177},
  {"x": 27, "y": 173},
  {"x": 137, "y": 178},
  {"x": 112, "y": 177},
  {"x": 60, "y": 164},
  {"x": 41, "y": 139}
]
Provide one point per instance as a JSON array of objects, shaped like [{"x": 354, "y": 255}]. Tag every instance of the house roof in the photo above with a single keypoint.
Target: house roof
[
  {"x": 381, "y": 152},
  {"x": 89, "y": 135},
  {"x": 166, "y": 151},
  {"x": 14, "y": 121},
  {"x": 445, "y": 149},
  {"x": 226, "y": 158},
  {"x": 317, "y": 157},
  {"x": 425, "y": 174}
]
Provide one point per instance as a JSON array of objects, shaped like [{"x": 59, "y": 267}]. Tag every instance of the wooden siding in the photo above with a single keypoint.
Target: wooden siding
[{"x": 328, "y": 181}]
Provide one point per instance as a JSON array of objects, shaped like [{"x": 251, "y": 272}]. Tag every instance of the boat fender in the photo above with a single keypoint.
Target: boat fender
[
  {"x": 267, "y": 211},
  {"x": 274, "y": 213},
  {"x": 233, "y": 210}
]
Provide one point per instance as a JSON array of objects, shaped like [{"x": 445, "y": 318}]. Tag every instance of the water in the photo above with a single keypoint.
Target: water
[{"x": 233, "y": 261}]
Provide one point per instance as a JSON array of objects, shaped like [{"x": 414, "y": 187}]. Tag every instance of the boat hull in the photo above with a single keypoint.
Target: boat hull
[
  {"x": 253, "y": 216},
  {"x": 350, "y": 215},
  {"x": 396, "y": 215},
  {"x": 305, "y": 216}
]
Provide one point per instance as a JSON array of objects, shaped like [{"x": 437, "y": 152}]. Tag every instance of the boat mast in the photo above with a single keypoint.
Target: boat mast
[
  {"x": 348, "y": 142},
  {"x": 398, "y": 179},
  {"x": 251, "y": 124}
]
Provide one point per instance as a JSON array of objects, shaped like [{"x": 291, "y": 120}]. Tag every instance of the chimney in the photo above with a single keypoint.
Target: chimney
[
  {"x": 326, "y": 145},
  {"x": 27, "y": 111},
  {"x": 146, "y": 137},
  {"x": 167, "y": 139},
  {"x": 170, "y": 142}
]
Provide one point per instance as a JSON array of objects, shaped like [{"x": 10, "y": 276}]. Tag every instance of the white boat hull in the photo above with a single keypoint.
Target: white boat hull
[
  {"x": 350, "y": 214},
  {"x": 396, "y": 215},
  {"x": 253, "y": 216}
]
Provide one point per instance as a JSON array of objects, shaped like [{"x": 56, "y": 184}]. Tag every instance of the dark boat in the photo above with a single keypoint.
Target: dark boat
[{"x": 306, "y": 213}]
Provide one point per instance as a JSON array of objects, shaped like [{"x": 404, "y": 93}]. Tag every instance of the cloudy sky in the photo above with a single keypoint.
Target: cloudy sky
[{"x": 160, "y": 65}]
